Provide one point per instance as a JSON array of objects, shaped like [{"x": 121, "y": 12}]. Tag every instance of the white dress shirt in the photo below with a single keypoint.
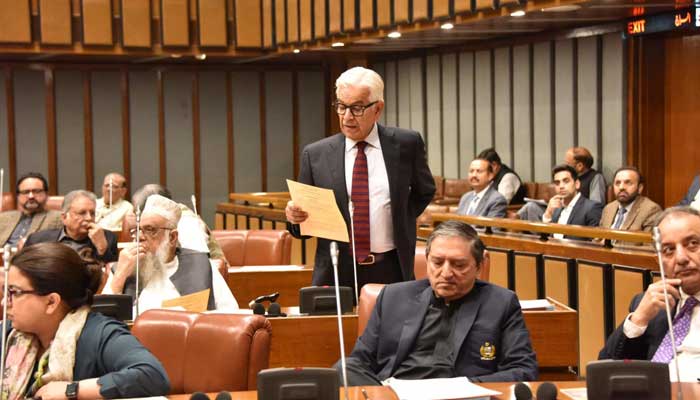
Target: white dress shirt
[
  {"x": 161, "y": 288},
  {"x": 695, "y": 204},
  {"x": 381, "y": 228},
  {"x": 508, "y": 186},
  {"x": 688, "y": 351},
  {"x": 111, "y": 218},
  {"x": 565, "y": 214}
]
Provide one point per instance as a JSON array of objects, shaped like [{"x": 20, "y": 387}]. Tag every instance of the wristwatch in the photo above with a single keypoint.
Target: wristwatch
[{"x": 72, "y": 391}]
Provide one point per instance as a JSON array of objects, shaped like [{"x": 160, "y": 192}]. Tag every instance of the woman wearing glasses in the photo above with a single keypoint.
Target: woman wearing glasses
[{"x": 58, "y": 348}]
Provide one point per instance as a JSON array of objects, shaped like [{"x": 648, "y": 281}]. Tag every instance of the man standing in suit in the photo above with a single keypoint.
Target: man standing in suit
[
  {"x": 483, "y": 200},
  {"x": 568, "y": 206},
  {"x": 80, "y": 231},
  {"x": 383, "y": 171},
  {"x": 30, "y": 216},
  {"x": 448, "y": 325},
  {"x": 631, "y": 211},
  {"x": 692, "y": 198},
  {"x": 644, "y": 335}
]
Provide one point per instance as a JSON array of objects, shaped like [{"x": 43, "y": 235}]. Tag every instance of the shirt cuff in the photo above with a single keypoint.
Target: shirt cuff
[
  {"x": 546, "y": 219},
  {"x": 632, "y": 330}
]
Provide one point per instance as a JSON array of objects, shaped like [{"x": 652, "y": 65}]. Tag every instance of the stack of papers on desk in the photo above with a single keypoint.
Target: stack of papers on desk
[
  {"x": 539, "y": 304},
  {"x": 438, "y": 389}
]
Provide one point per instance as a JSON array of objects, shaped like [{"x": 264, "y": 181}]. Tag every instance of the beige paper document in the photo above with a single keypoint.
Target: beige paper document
[
  {"x": 195, "y": 302},
  {"x": 325, "y": 219}
]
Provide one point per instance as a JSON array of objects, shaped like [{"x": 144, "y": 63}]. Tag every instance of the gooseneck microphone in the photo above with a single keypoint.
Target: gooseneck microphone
[
  {"x": 522, "y": 391},
  {"x": 5, "y": 269},
  {"x": 334, "y": 260},
  {"x": 656, "y": 235},
  {"x": 547, "y": 391}
]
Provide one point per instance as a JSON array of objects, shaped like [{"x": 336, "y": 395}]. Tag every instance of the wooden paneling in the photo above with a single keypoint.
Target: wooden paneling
[
  {"x": 367, "y": 14},
  {"x": 55, "y": 16},
  {"x": 420, "y": 10},
  {"x": 52, "y": 152},
  {"x": 281, "y": 21},
  {"x": 334, "y": 16},
  {"x": 136, "y": 23},
  {"x": 401, "y": 10},
  {"x": 498, "y": 273},
  {"x": 248, "y": 29},
  {"x": 463, "y": 6},
  {"x": 590, "y": 312},
  {"x": 212, "y": 22},
  {"x": 349, "y": 20},
  {"x": 485, "y": 4},
  {"x": 175, "y": 22},
  {"x": 628, "y": 283},
  {"x": 320, "y": 22},
  {"x": 305, "y": 20},
  {"x": 383, "y": 12},
  {"x": 441, "y": 8},
  {"x": 525, "y": 276},
  {"x": 293, "y": 21},
  {"x": 268, "y": 24},
  {"x": 97, "y": 22},
  {"x": 14, "y": 20},
  {"x": 247, "y": 285},
  {"x": 556, "y": 278}
]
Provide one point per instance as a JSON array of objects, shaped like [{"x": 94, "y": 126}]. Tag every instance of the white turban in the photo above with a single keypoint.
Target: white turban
[{"x": 166, "y": 208}]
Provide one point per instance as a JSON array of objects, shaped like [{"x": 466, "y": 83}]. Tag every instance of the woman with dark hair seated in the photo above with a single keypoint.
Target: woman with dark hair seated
[{"x": 58, "y": 348}]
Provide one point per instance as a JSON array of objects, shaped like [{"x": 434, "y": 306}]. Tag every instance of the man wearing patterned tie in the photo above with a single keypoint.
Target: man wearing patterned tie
[
  {"x": 383, "y": 170},
  {"x": 631, "y": 211},
  {"x": 645, "y": 334}
]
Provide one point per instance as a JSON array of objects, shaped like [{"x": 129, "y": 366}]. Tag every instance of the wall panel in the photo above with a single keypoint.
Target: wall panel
[
  {"x": 613, "y": 108},
  {"x": 416, "y": 95},
  {"x": 136, "y": 23},
  {"x": 305, "y": 19},
  {"x": 106, "y": 124},
  {"x": 248, "y": 24},
  {"x": 383, "y": 13},
  {"x": 450, "y": 134},
  {"x": 390, "y": 93},
  {"x": 564, "y": 81},
  {"x": 143, "y": 125},
  {"x": 281, "y": 21},
  {"x": 320, "y": 21},
  {"x": 502, "y": 104},
  {"x": 177, "y": 107},
  {"x": 293, "y": 21},
  {"x": 380, "y": 68},
  {"x": 4, "y": 143},
  {"x": 30, "y": 122},
  {"x": 15, "y": 20},
  {"x": 542, "y": 111},
  {"x": 466, "y": 112},
  {"x": 279, "y": 129},
  {"x": 587, "y": 89},
  {"x": 212, "y": 23},
  {"x": 522, "y": 113},
  {"x": 97, "y": 22},
  {"x": 70, "y": 138},
  {"x": 334, "y": 14},
  {"x": 404, "y": 93},
  {"x": 484, "y": 100},
  {"x": 55, "y": 22},
  {"x": 213, "y": 142},
  {"x": 175, "y": 22},
  {"x": 401, "y": 10},
  {"x": 310, "y": 97},
  {"x": 246, "y": 131},
  {"x": 434, "y": 121}
]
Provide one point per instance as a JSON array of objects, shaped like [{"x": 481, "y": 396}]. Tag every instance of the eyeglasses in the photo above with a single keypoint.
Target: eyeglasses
[
  {"x": 87, "y": 214},
  {"x": 107, "y": 186},
  {"x": 357, "y": 110},
  {"x": 35, "y": 192},
  {"x": 149, "y": 231},
  {"x": 13, "y": 292}
]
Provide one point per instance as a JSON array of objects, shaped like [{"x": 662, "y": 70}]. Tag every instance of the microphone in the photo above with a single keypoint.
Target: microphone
[
  {"x": 334, "y": 259},
  {"x": 223, "y": 395},
  {"x": 201, "y": 396},
  {"x": 5, "y": 269},
  {"x": 194, "y": 205},
  {"x": 522, "y": 391},
  {"x": 351, "y": 210},
  {"x": 547, "y": 391},
  {"x": 656, "y": 235}
]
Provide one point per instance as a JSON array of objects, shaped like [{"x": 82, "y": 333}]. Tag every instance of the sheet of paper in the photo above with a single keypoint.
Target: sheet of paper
[
  {"x": 325, "y": 219},
  {"x": 539, "y": 304},
  {"x": 576, "y": 394},
  {"x": 538, "y": 201},
  {"x": 438, "y": 389},
  {"x": 268, "y": 268},
  {"x": 195, "y": 302}
]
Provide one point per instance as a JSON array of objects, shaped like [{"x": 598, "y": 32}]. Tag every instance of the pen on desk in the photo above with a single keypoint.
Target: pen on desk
[{"x": 364, "y": 393}]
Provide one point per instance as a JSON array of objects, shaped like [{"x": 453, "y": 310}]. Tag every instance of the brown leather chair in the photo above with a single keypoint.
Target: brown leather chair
[
  {"x": 54, "y": 203},
  {"x": 530, "y": 189},
  {"x": 610, "y": 194},
  {"x": 206, "y": 352},
  {"x": 368, "y": 298},
  {"x": 420, "y": 265},
  {"x": 454, "y": 189},
  {"x": 255, "y": 247},
  {"x": 8, "y": 201},
  {"x": 439, "y": 187},
  {"x": 545, "y": 191},
  {"x": 426, "y": 218}
]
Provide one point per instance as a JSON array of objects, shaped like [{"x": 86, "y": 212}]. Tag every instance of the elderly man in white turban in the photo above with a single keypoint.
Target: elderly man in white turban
[{"x": 166, "y": 271}]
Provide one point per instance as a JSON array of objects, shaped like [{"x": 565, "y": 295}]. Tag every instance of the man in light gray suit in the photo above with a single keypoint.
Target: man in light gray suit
[
  {"x": 483, "y": 200},
  {"x": 30, "y": 216}
]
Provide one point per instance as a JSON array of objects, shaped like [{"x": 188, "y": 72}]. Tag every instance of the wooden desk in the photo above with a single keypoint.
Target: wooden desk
[
  {"x": 247, "y": 283},
  {"x": 690, "y": 391}
]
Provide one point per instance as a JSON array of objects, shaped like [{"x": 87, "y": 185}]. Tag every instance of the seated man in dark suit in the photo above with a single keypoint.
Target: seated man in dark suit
[
  {"x": 448, "y": 325},
  {"x": 692, "y": 198},
  {"x": 644, "y": 335},
  {"x": 568, "y": 206},
  {"x": 79, "y": 228},
  {"x": 30, "y": 216}
]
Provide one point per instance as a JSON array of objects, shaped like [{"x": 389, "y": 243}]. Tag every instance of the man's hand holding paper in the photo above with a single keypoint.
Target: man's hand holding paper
[{"x": 316, "y": 212}]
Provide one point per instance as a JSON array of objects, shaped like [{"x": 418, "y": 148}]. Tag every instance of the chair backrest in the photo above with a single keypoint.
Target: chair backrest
[
  {"x": 455, "y": 188},
  {"x": 439, "y": 187},
  {"x": 530, "y": 189},
  {"x": 368, "y": 298},
  {"x": 8, "y": 201},
  {"x": 255, "y": 247},
  {"x": 545, "y": 190},
  {"x": 54, "y": 203},
  {"x": 206, "y": 352}
]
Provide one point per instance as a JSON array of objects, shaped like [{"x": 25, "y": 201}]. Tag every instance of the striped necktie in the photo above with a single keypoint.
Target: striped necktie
[{"x": 360, "y": 199}]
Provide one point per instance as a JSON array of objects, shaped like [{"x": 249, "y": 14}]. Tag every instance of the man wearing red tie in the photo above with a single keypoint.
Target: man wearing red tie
[{"x": 383, "y": 170}]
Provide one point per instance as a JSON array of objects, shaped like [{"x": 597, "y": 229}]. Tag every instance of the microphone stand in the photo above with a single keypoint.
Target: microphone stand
[
  {"x": 138, "y": 241},
  {"x": 334, "y": 259},
  {"x": 351, "y": 209},
  {"x": 656, "y": 234},
  {"x": 6, "y": 270},
  {"x": 110, "y": 192}
]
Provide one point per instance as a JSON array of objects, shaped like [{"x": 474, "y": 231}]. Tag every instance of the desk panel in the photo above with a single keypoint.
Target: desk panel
[{"x": 248, "y": 284}]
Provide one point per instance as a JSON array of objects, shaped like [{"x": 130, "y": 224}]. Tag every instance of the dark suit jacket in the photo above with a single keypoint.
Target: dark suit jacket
[
  {"x": 411, "y": 188},
  {"x": 692, "y": 192},
  {"x": 586, "y": 213},
  {"x": 489, "y": 313},
  {"x": 640, "y": 217},
  {"x": 52, "y": 235},
  {"x": 40, "y": 221},
  {"x": 618, "y": 346}
]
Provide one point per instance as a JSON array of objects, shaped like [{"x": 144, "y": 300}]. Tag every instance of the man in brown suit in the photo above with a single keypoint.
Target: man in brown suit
[
  {"x": 30, "y": 216},
  {"x": 631, "y": 211}
]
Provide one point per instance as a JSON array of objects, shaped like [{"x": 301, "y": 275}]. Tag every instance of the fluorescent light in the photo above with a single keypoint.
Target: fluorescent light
[
  {"x": 447, "y": 26},
  {"x": 337, "y": 44},
  {"x": 297, "y": 51},
  {"x": 519, "y": 13},
  {"x": 394, "y": 34},
  {"x": 201, "y": 57}
]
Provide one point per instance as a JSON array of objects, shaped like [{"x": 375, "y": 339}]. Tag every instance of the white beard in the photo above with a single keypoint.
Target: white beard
[{"x": 153, "y": 265}]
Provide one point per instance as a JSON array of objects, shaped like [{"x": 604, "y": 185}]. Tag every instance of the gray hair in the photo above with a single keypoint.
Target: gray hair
[
  {"x": 75, "y": 194},
  {"x": 676, "y": 210},
  {"x": 140, "y": 196},
  {"x": 461, "y": 230},
  {"x": 360, "y": 76}
]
